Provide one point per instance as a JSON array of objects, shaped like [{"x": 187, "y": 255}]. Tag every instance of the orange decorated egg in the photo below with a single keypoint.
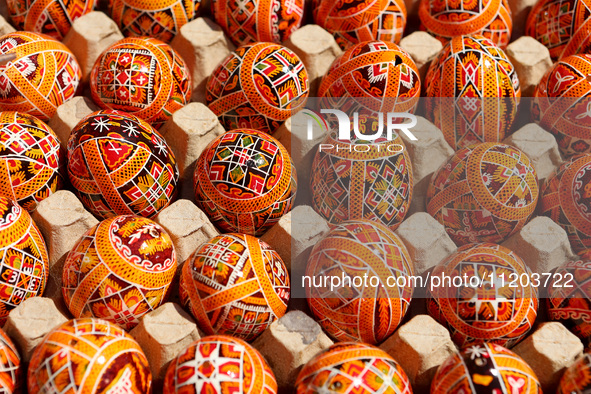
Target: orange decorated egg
[
  {"x": 366, "y": 309},
  {"x": 566, "y": 198},
  {"x": 51, "y": 17},
  {"x": 561, "y": 25},
  {"x": 352, "y": 367},
  {"x": 447, "y": 19},
  {"x": 235, "y": 284},
  {"x": 577, "y": 378},
  {"x": 371, "y": 77},
  {"x": 24, "y": 267},
  {"x": 484, "y": 293},
  {"x": 89, "y": 356},
  {"x": 361, "y": 20},
  {"x": 483, "y": 193},
  {"x": 158, "y": 19},
  {"x": 486, "y": 368},
  {"x": 44, "y": 74},
  {"x": 561, "y": 104},
  {"x": 222, "y": 364},
  {"x": 245, "y": 181},
  {"x": 119, "y": 165},
  {"x": 258, "y": 86},
  {"x": 142, "y": 76},
  {"x": 473, "y": 92},
  {"x": 10, "y": 366},
  {"x": 250, "y": 21},
  {"x": 119, "y": 270},
  {"x": 31, "y": 159}
]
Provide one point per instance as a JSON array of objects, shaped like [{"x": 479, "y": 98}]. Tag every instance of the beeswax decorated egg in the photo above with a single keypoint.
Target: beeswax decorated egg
[
  {"x": 120, "y": 165},
  {"x": 251, "y": 21},
  {"x": 365, "y": 310},
  {"x": 258, "y": 86},
  {"x": 23, "y": 256},
  {"x": 447, "y": 19},
  {"x": 566, "y": 198},
  {"x": 30, "y": 159},
  {"x": 119, "y": 270},
  {"x": 484, "y": 193},
  {"x": 371, "y": 77},
  {"x": 485, "y": 368},
  {"x": 245, "y": 181},
  {"x": 235, "y": 284},
  {"x": 142, "y": 76},
  {"x": 230, "y": 364},
  {"x": 352, "y": 367},
  {"x": 569, "y": 297},
  {"x": 556, "y": 22},
  {"x": 10, "y": 361},
  {"x": 51, "y": 17},
  {"x": 158, "y": 19},
  {"x": 112, "y": 361},
  {"x": 577, "y": 378},
  {"x": 561, "y": 103},
  {"x": 474, "y": 92},
  {"x": 365, "y": 20},
  {"x": 484, "y": 302},
  {"x": 44, "y": 75}
]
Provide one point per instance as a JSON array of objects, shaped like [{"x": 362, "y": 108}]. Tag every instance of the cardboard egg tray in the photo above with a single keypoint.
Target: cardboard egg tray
[{"x": 420, "y": 344}]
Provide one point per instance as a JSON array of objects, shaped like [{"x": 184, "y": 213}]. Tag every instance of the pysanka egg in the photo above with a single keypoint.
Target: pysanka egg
[
  {"x": 483, "y": 193},
  {"x": 24, "y": 85},
  {"x": 112, "y": 361},
  {"x": 569, "y": 297},
  {"x": 352, "y": 367},
  {"x": 556, "y": 22},
  {"x": 446, "y": 19},
  {"x": 51, "y": 17},
  {"x": 118, "y": 165},
  {"x": 143, "y": 76},
  {"x": 352, "y": 180},
  {"x": 566, "y": 198},
  {"x": 577, "y": 378},
  {"x": 119, "y": 270},
  {"x": 158, "y": 19},
  {"x": 10, "y": 362},
  {"x": 380, "y": 75},
  {"x": 482, "y": 302},
  {"x": 24, "y": 267},
  {"x": 258, "y": 86},
  {"x": 561, "y": 103},
  {"x": 484, "y": 83},
  {"x": 249, "y": 21},
  {"x": 30, "y": 159},
  {"x": 359, "y": 21},
  {"x": 216, "y": 361},
  {"x": 364, "y": 310},
  {"x": 245, "y": 181},
  {"x": 235, "y": 284},
  {"x": 485, "y": 368}
]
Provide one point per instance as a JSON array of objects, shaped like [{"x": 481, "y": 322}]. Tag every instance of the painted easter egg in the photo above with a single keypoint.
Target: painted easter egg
[{"x": 577, "y": 378}]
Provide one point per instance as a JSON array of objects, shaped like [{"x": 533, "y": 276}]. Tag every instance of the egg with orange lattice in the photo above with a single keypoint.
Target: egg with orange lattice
[
  {"x": 258, "y": 86},
  {"x": 235, "y": 284},
  {"x": 43, "y": 76},
  {"x": 473, "y": 92},
  {"x": 482, "y": 301},
  {"x": 577, "y": 377},
  {"x": 10, "y": 366},
  {"x": 245, "y": 181}
]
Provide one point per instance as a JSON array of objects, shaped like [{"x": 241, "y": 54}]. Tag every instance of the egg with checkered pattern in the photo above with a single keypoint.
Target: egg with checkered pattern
[
  {"x": 119, "y": 165},
  {"x": 235, "y": 284},
  {"x": 245, "y": 181},
  {"x": 119, "y": 270},
  {"x": 258, "y": 86}
]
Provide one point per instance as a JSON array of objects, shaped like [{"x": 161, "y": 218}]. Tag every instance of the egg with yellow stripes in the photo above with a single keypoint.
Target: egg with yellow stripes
[
  {"x": 119, "y": 270},
  {"x": 235, "y": 284}
]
